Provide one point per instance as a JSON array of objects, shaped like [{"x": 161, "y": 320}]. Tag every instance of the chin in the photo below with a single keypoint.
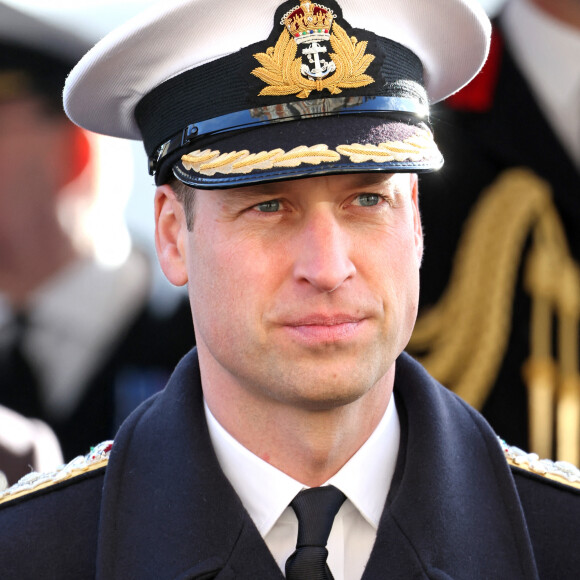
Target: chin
[{"x": 323, "y": 394}]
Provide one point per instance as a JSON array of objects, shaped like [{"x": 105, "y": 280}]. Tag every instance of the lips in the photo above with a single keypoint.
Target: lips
[
  {"x": 325, "y": 329},
  {"x": 325, "y": 320}
]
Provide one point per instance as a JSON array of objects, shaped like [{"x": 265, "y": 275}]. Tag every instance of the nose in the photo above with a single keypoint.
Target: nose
[{"x": 323, "y": 253}]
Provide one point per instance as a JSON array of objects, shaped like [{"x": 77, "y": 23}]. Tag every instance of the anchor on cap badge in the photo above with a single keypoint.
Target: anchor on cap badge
[{"x": 309, "y": 25}]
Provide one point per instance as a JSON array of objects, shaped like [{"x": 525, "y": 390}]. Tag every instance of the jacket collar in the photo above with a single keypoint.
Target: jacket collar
[
  {"x": 452, "y": 511},
  {"x": 169, "y": 512}
]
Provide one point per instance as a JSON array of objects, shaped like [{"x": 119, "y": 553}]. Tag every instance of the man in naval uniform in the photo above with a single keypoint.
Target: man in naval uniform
[{"x": 297, "y": 439}]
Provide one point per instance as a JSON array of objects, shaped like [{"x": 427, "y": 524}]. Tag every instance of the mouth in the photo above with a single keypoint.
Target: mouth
[{"x": 325, "y": 329}]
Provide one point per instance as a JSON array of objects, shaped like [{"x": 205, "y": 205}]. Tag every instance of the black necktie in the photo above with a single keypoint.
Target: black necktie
[
  {"x": 315, "y": 509},
  {"x": 18, "y": 381}
]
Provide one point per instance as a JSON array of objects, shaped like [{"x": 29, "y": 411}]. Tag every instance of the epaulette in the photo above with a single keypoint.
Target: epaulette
[
  {"x": 559, "y": 471},
  {"x": 34, "y": 481}
]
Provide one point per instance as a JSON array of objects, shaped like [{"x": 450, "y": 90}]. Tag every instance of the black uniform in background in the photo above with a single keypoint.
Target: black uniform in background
[{"x": 506, "y": 203}]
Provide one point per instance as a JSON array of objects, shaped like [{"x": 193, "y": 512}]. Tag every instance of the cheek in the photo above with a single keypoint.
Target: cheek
[
  {"x": 29, "y": 170},
  {"x": 396, "y": 267},
  {"x": 209, "y": 280},
  {"x": 226, "y": 280},
  {"x": 15, "y": 156},
  {"x": 408, "y": 286}
]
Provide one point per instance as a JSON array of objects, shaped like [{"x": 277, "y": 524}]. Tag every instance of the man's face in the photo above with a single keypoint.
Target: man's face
[
  {"x": 304, "y": 292},
  {"x": 33, "y": 161}
]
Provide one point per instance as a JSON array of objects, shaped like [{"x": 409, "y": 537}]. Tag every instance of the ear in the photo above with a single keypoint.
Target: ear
[
  {"x": 171, "y": 235},
  {"x": 417, "y": 227}
]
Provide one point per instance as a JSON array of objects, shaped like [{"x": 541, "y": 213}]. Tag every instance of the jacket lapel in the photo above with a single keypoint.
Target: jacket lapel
[
  {"x": 168, "y": 511},
  {"x": 452, "y": 511}
]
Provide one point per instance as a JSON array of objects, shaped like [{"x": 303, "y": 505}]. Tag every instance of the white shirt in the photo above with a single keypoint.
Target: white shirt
[
  {"x": 266, "y": 493},
  {"x": 74, "y": 319},
  {"x": 547, "y": 51}
]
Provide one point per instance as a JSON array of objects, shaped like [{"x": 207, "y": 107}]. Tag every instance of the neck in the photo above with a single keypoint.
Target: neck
[
  {"x": 567, "y": 11},
  {"x": 308, "y": 445}
]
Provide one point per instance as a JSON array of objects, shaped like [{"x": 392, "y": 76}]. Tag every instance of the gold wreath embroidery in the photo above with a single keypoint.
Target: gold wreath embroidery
[
  {"x": 208, "y": 162},
  {"x": 281, "y": 70},
  {"x": 411, "y": 149},
  {"x": 211, "y": 162}
]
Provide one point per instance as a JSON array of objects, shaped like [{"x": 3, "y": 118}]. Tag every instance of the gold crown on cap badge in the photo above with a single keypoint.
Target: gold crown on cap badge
[
  {"x": 309, "y": 22},
  {"x": 309, "y": 25}
]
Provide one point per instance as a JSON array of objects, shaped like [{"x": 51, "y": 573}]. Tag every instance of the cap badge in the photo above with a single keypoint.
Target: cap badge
[{"x": 308, "y": 27}]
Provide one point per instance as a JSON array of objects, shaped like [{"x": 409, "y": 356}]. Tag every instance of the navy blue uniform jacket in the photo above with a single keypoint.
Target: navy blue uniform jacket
[{"x": 162, "y": 508}]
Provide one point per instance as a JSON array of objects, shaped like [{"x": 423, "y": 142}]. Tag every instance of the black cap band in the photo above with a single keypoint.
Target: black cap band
[{"x": 296, "y": 111}]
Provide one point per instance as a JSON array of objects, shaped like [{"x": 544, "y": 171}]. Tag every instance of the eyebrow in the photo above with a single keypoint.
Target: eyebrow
[
  {"x": 256, "y": 189},
  {"x": 244, "y": 195},
  {"x": 276, "y": 187}
]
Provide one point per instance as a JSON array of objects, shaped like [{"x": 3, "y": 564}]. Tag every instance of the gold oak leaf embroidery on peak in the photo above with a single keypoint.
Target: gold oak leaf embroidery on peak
[
  {"x": 208, "y": 162},
  {"x": 314, "y": 155},
  {"x": 211, "y": 162},
  {"x": 411, "y": 149}
]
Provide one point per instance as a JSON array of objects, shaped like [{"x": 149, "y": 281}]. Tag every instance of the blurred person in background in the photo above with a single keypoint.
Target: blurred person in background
[
  {"x": 499, "y": 321},
  {"x": 81, "y": 342},
  {"x": 25, "y": 445}
]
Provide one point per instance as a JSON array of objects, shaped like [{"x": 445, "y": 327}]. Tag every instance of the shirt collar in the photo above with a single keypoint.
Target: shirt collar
[
  {"x": 74, "y": 317},
  {"x": 266, "y": 492},
  {"x": 79, "y": 299},
  {"x": 377, "y": 459}
]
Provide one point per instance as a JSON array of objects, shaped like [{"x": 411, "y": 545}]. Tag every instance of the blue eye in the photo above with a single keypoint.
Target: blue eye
[
  {"x": 368, "y": 199},
  {"x": 270, "y": 206}
]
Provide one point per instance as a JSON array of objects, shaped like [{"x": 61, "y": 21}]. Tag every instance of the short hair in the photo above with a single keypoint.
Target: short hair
[{"x": 186, "y": 196}]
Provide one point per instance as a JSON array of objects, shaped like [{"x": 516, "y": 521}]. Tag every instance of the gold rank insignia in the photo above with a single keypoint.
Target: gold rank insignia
[
  {"x": 34, "y": 481},
  {"x": 309, "y": 27},
  {"x": 559, "y": 471}
]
